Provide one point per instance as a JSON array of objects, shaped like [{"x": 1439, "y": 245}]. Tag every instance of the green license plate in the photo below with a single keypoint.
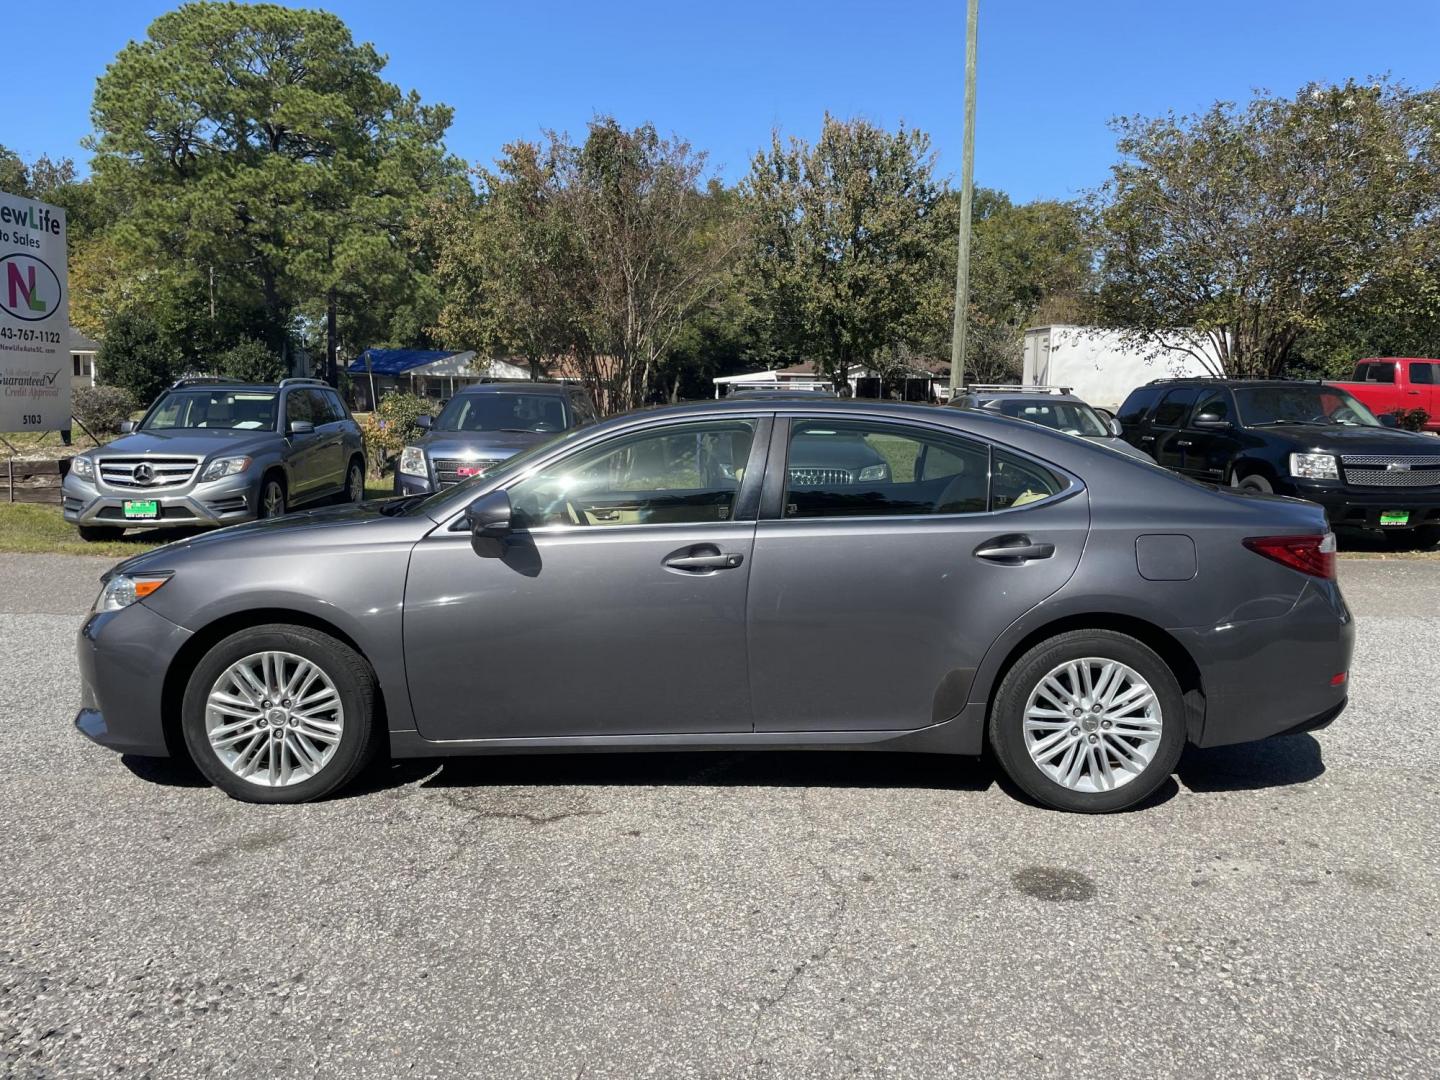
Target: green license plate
[
  {"x": 141, "y": 508},
  {"x": 1395, "y": 517}
]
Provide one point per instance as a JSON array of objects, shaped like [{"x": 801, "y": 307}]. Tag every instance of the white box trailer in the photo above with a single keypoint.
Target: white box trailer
[{"x": 1102, "y": 367}]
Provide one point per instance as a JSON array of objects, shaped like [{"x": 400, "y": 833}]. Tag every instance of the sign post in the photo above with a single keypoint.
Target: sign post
[{"x": 34, "y": 317}]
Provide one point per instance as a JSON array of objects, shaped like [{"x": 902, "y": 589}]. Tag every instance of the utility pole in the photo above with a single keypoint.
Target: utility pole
[{"x": 967, "y": 198}]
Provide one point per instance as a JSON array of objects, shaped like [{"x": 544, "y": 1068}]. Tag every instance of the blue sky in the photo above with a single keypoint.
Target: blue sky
[{"x": 723, "y": 74}]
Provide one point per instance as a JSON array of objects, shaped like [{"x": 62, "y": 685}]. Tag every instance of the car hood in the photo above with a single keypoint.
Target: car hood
[
  {"x": 202, "y": 443},
  {"x": 1351, "y": 440},
  {"x": 361, "y": 523},
  {"x": 480, "y": 444}
]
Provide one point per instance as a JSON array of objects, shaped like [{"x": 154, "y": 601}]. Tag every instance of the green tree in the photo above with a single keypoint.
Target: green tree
[
  {"x": 848, "y": 238},
  {"x": 1259, "y": 224},
  {"x": 257, "y": 147},
  {"x": 250, "y": 361},
  {"x": 137, "y": 356}
]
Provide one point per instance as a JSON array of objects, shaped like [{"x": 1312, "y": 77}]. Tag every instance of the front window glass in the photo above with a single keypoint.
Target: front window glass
[
  {"x": 246, "y": 410},
  {"x": 503, "y": 412},
  {"x": 684, "y": 474},
  {"x": 854, "y": 469},
  {"x": 1071, "y": 417},
  {"x": 1261, "y": 406},
  {"x": 1215, "y": 404},
  {"x": 1423, "y": 373},
  {"x": 1172, "y": 409}
]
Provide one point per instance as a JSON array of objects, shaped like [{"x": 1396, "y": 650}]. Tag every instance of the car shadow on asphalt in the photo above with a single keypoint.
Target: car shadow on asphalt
[
  {"x": 1274, "y": 763},
  {"x": 1280, "y": 762}
]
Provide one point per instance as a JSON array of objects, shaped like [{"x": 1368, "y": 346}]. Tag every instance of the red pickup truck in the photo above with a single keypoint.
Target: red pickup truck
[{"x": 1389, "y": 384}]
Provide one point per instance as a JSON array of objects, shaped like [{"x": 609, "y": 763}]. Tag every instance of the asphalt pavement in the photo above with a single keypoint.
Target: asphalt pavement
[{"x": 1273, "y": 912}]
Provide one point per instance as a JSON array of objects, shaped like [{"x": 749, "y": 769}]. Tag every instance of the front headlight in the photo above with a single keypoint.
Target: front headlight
[
  {"x": 875, "y": 472},
  {"x": 82, "y": 467},
  {"x": 1314, "y": 466},
  {"x": 122, "y": 590},
  {"x": 224, "y": 466},
  {"x": 412, "y": 461}
]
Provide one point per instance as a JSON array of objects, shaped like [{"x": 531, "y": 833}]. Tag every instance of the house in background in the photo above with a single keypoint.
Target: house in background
[
  {"x": 430, "y": 373},
  {"x": 82, "y": 359}
]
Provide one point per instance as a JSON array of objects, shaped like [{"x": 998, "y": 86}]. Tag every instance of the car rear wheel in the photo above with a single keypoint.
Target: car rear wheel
[
  {"x": 94, "y": 534},
  {"x": 280, "y": 714},
  {"x": 354, "y": 483},
  {"x": 272, "y": 498},
  {"x": 1089, "y": 721}
]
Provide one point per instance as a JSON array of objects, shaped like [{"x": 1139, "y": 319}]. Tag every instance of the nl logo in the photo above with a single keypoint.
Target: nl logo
[{"x": 29, "y": 289}]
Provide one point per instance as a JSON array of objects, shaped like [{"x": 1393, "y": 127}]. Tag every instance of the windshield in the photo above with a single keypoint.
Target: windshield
[
  {"x": 1071, "y": 417},
  {"x": 1261, "y": 405},
  {"x": 503, "y": 412},
  {"x": 245, "y": 410}
]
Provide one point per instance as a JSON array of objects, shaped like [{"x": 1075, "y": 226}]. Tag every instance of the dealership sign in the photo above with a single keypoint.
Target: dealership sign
[{"x": 34, "y": 317}]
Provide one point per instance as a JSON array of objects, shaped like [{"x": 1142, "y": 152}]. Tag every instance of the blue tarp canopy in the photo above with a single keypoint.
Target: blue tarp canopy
[{"x": 395, "y": 361}]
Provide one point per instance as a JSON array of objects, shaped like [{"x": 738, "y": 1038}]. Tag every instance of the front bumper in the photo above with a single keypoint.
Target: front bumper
[
  {"x": 1265, "y": 677},
  {"x": 405, "y": 484},
  {"x": 124, "y": 658},
  {"x": 227, "y": 501},
  {"x": 1362, "y": 507}
]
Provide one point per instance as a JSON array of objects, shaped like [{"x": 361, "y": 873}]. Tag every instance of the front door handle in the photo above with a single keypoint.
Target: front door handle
[
  {"x": 1013, "y": 550},
  {"x": 700, "y": 562}
]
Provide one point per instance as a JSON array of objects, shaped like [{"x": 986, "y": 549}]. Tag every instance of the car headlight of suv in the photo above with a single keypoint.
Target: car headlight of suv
[
  {"x": 875, "y": 472},
  {"x": 224, "y": 466},
  {"x": 1314, "y": 466},
  {"x": 412, "y": 461},
  {"x": 82, "y": 467},
  {"x": 122, "y": 590}
]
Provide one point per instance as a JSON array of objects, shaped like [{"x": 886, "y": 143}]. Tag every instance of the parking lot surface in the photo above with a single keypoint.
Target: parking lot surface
[{"x": 1272, "y": 913}]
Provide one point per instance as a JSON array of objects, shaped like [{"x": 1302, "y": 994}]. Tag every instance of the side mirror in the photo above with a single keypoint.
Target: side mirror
[
  {"x": 127, "y": 426},
  {"x": 1211, "y": 420},
  {"x": 301, "y": 427},
  {"x": 1115, "y": 428},
  {"x": 424, "y": 422},
  {"x": 489, "y": 521},
  {"x": 1388, "y": 420}
]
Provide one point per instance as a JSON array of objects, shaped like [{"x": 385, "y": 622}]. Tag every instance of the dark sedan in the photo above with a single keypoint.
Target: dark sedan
[{"x": 669, "y": 579}]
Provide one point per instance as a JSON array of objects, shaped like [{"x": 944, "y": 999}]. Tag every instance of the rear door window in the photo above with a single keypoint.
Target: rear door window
[{"x": 1174, "y": 407}]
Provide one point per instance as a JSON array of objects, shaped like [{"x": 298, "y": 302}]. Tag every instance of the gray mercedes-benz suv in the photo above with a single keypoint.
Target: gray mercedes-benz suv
[
  {"x": 213, "y": 452},
  {"x": 483, "y": 425},
  {"x": 673, "y": 579}
]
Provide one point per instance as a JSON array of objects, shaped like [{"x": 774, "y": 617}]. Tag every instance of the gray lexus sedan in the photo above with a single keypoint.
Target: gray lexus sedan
[{"x": 669, "y": 579}]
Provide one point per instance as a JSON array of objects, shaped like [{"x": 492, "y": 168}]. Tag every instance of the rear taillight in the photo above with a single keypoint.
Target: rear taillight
[{"x": 1314, "y": 555}]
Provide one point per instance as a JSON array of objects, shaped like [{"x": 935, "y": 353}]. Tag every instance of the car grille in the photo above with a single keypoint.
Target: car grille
[
  {"x": 1365, "y": 470},
  {"x": 447, "y": 470},
  {"x": 800, "y": 477},
  {"x": 166, "y": 472}
]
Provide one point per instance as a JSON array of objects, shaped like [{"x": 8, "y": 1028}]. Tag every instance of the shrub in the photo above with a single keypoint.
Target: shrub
[
  {"x": 102, "y": 408},
  {"x": 1411, "y": 419},
  {"x": 137, "y": 356},
  {"x": 250, "y": 361},
  {"x": 392, "y": 425}
]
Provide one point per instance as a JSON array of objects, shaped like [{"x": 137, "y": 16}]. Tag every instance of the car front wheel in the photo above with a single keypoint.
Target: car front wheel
[
  {"x": 272, "y": 499},
  {"x": 1089, "y": 721},
  {"x": 280, "y": 714}
]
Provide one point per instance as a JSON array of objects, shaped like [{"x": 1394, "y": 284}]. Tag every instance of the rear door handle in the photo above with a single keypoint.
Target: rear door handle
[
  {"x": 1013, "y": 550},
  {"x": 700, "y": 563}
]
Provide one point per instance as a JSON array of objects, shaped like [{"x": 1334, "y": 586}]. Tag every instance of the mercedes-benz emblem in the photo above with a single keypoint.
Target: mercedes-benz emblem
[{"x": 143, "y": 473}]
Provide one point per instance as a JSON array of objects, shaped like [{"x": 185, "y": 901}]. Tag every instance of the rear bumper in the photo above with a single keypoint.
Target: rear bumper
[
  {"x": 124, "y": 657},
  {"x": 1274, "y": 676}
]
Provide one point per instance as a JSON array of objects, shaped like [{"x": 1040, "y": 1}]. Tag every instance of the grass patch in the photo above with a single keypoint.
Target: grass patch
[{"x": 34, "y": 527}]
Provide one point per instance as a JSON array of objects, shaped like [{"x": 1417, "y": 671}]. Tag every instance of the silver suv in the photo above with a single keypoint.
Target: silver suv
[{"x": 212, "y": 452}]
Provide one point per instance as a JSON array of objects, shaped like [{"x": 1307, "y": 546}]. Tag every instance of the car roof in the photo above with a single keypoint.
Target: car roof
[{"x": 519, "y": 386}]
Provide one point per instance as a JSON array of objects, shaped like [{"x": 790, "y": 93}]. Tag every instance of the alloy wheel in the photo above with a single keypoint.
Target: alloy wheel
[
  {"x": 272, "y": 501},
  {"x": 1092, "y": 724},
  {"x": 274, "y": 718}
]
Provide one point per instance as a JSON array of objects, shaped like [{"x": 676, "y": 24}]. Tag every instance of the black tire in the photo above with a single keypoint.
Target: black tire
[
  {"x": 1418, "y": 539},
  {"x": 94, "y": 534},
  {"x": 1007, "y": 715},
  {"x": 271, "y": 503},
  {"x": 1427, "y": 536},
  {"x": 354, "y": 683},
  {"x": 354, "y": 489},
  {"x": 1254, "y": 482}
]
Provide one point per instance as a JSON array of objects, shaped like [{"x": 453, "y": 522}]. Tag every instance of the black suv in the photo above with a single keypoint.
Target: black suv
[{"x": 1303, "y": 439}]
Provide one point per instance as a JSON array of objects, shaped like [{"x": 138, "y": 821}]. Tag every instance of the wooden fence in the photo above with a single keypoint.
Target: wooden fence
[{"x": 35, "y": 481}]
